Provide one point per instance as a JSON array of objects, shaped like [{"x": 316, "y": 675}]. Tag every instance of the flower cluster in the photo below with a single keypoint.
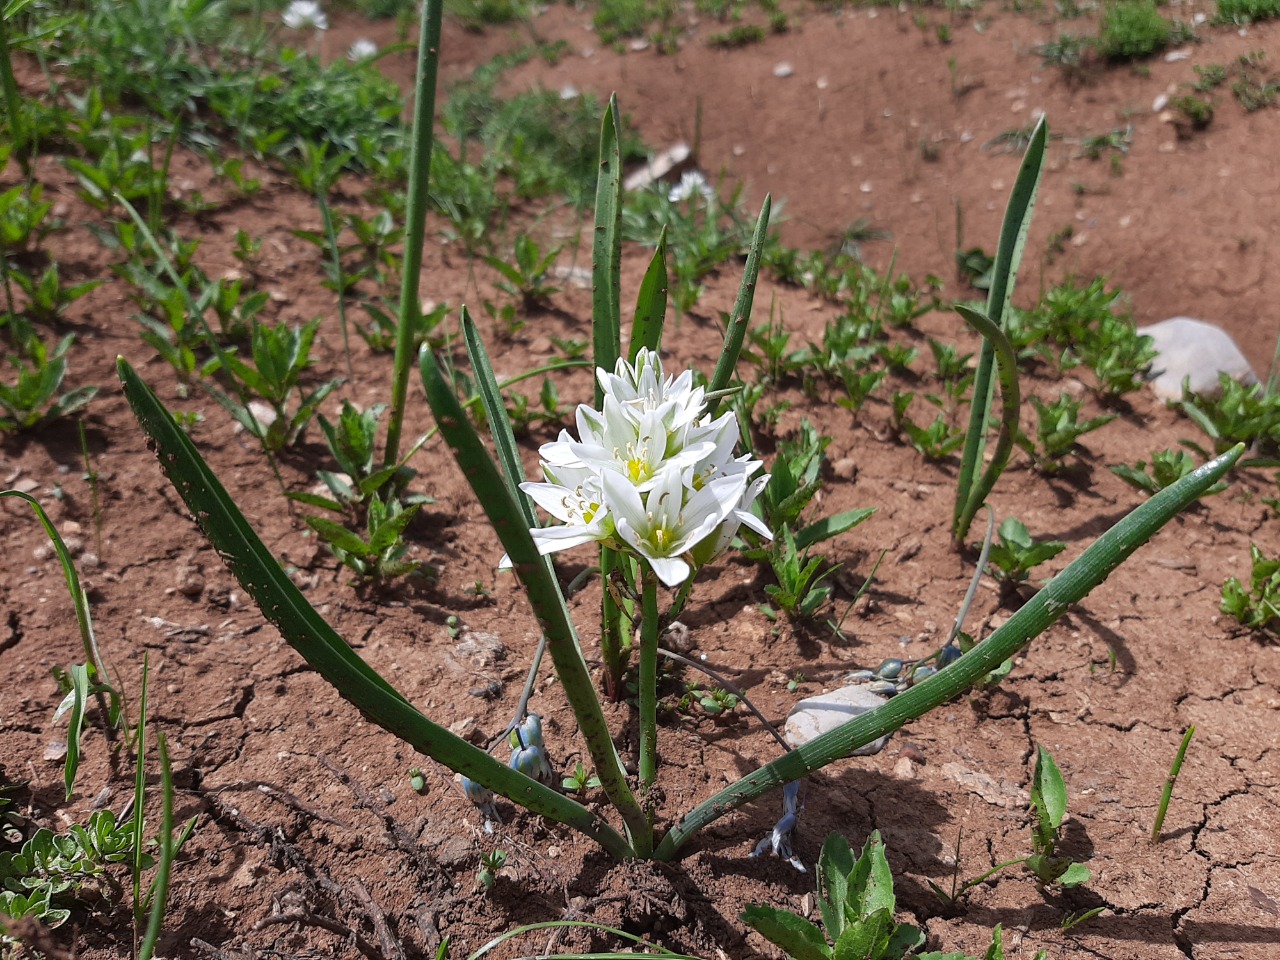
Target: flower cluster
[
  {"x": 651, "y": 473},
  {"x": 304, "y": 13}
]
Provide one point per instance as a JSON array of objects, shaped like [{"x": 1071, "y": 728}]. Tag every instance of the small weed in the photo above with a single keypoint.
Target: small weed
[
  {"x": 1247, "y": 11},
  {"x": 33, "y": 398},
  {"x": 1192, "y": 113},
  {"x": 1132, "y": 29},
  {"x": 490, "y": 864},
  {"x": 1258, "y": 607},
  {"x": 1049, "y": 808},
  {"x": 1068, "y": 52},
  {"x": 279, "y": 356},
  {"x": 380, "y": 555},
  {"x": 525, "y": 280},
  {"x": 1209, "y": 77},
  {"x": 1016, "y": 553},
  {"x": 1167, "y": 467},
  {"x": 1119, "y": 140},
  {"x": 800, "y": 591},
  {"x": 1058, "y": 431},
  {"x": 742, "y": 35},
  {"x": 1238, "y": 414},
  {"x": 579, "y": 780},
  {"x": 1253, "y": 88}
]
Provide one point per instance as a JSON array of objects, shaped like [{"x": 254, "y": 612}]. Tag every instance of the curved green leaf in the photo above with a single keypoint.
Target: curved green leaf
[
  {"x": 1068, "y": 587},
  {"x": 262, "y": 577}
]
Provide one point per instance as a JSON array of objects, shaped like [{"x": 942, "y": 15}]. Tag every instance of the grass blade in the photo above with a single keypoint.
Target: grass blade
[
  {"x": 1071, "y": 585},
  {"x": 1170, "y": 780}
]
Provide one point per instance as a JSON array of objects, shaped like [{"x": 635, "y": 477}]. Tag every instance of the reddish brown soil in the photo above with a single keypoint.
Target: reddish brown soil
[{"x": 310, "y": 840}]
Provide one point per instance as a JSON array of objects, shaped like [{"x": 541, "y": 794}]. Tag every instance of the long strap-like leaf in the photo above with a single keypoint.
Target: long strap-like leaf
[
  {"x": 1071, "y": 585},
  {"x": 1013, "y": 238},
  {"x": 544, "y": 592},
  {"x": 606, "y": 251},
  {"x": 307, "y": 632},
  {"x": 740, "y": 318}
]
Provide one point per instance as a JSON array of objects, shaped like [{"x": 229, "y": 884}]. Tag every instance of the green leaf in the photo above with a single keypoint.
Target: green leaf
[
  {"x": 871, "y": 883},
  {"x": 606, "y": 256},
  {"x": 1048, "y": 790},
  {"x": 1074, "y": 875},
  {"x": 740, "y": 317},
  {"x": 79, "y": 673},
  {"x": 865, "y": 938},
  {"x": 651, "y": 302},
  {"x": 315, "y": 640},
  {"x": 801, "y": 939},
  {"x": 835, "y": 863},
  {"x": 829, "y": 527},
  {"x": 996, "y": 950},
  {"x": 339, "y": 537}
]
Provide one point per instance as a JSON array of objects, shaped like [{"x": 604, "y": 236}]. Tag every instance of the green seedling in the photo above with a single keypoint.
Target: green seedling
[
  {"x": 1238, "y": 414},
  {"x": 579, "y": 780},
  {"x": 1192, "y": 113},
  {"x": 1068, "y": 52},
  {"x": 1058, "y": 430},
  {"x": 525, "y": 281},
  {"x": 47, "y": 297},
  {"x": 937, "y": 440},
  {"x": 1258, "y": 607},
  {"x": 1167, "y": 467},
  {"x": 490, "y": 864},
  {"x": 857, "y": 903},
  {"x": 34, "y": 399},
  {"x": 380, "y": 554},
  {"x": 24, "y": 219},
  {"x": 1049, "y": 810},
  {"x": 417, "y": 781},
  {"x": 353, "y": 443},
  {"x": 381, "y": 331},
  {"x": 524, "y": 415},
  {"x": 1209, "y": 77},
  {"x": 280, "y": 354},
  {"x": 1016, "y": 553},
  {"x": 1167, "y": 793},
  {"x": 713, "y": 701},
  {"x": 1118, "y": 140},
  {"x": 952, "y": 368},
  {"x": 795, "y": 479},
  {"x": 800, "y": 591}
]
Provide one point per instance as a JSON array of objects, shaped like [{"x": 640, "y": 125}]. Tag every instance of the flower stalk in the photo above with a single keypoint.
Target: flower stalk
[{"x": 648, "y": 694}]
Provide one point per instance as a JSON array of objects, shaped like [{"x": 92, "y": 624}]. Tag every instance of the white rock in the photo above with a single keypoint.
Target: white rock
[
  {"x": 670, "y": 161},
  {"x": 814, "y": 716},
  {"x": 783, "y": 70},
  {"x": 1196, "y": 350}
]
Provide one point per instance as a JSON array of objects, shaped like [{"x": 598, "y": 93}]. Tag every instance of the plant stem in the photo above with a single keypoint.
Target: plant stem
[
  {"x": 13, "y": 100},
  {"x": 648, "y": 678},
  {"x": 416, "y": 220},
  {"x": 1169, "y": 781},
  {"x": 1072, "y": 584}
]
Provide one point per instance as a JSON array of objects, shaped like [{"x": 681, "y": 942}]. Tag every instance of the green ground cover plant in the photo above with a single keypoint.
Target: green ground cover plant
[{"x": 1131, "y": 29}]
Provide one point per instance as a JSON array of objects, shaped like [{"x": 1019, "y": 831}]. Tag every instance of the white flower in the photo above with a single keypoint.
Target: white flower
[
  {"x": 691, "y": 183},
  {"x": 666, "y": 525},
  {"x": 649, "y": 473},
  {"x": 362, "y": 49},
  {"x": 304, "y": 13}
]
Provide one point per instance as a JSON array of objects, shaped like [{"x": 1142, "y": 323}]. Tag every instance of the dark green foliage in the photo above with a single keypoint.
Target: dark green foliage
[
  {"x": 1131, "y": 29},
  {"x": 1258, "y": 607}
]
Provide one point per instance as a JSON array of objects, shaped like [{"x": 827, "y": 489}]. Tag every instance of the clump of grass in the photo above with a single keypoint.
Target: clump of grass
[
  {"x": 1132, "y": 29},
  {"x": 1247, "y": 11}
]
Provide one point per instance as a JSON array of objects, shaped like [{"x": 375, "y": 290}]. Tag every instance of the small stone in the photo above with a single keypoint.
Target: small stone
[
  {"x": 846, "y": 468},
  {"x": 1159, "y": 103},
  {"x": 55, "y": 750},
  {"x": 668, "y": 163},
  {"x": 26, "y": 485},
  {"x": 638, "y": 45},
  {"x": 904, "y": 769},
  {"x": 814, "y": 716},
  {"x": 783, "y": 70},
  {"x": 1173, "y": 56},
  {"x": 1194, "y": 350}
]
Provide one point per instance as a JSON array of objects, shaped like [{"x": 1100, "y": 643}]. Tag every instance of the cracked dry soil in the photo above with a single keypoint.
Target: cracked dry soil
[{"x": 311, "y": 841}]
